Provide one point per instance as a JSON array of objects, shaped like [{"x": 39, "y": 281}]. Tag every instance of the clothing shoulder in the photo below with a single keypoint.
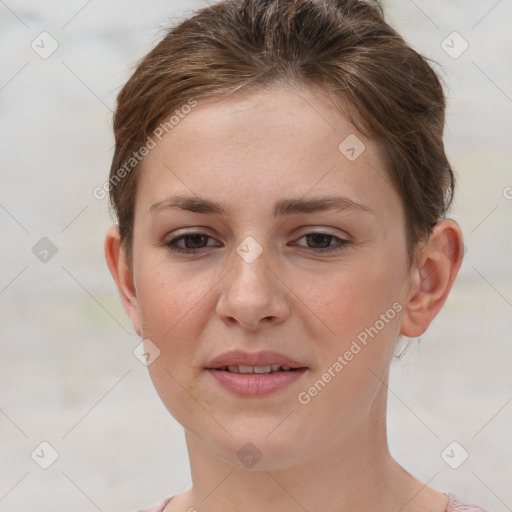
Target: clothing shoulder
[
  {"x": 457, "y": 505},
  {"x": 454, "y": 505}
]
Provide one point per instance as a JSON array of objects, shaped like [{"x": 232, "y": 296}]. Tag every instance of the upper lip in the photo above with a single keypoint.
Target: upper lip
[{"x": 263, "y": 358}]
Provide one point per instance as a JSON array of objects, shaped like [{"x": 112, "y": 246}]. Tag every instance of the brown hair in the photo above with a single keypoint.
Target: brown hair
[{"x": 344, "y": 46}]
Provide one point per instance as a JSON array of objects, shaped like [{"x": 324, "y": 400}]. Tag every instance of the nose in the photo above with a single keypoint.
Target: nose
[{"x": 254, "y": 294}]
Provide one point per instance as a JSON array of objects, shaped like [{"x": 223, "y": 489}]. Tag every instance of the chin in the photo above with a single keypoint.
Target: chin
[{"x": 257, "y": 445}]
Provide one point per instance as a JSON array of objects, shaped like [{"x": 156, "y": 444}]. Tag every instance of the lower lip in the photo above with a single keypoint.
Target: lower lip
[{"x": 255, "y": 384}]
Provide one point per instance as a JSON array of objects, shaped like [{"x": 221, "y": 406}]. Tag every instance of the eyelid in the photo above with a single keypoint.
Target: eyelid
[{"x": 307, "y": 230}]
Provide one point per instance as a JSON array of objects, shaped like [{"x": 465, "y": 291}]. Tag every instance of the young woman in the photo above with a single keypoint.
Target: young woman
[{"x": 280, "y": 186}]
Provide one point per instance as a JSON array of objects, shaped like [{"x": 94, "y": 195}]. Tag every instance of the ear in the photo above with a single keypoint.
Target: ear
[
  {"x": 122, "y": 274},
  {"x": 432, "y": 277}
]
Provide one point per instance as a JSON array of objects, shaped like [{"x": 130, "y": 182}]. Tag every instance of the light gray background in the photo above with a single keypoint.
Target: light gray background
[{"x": 67, "y": 372}]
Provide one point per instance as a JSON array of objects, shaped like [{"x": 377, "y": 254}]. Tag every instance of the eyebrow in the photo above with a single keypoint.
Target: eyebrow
[{"x": 281, "y": 208}]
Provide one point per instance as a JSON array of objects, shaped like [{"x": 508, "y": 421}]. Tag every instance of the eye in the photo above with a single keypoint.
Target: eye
[
  {"x": 323, "y": 239},
  {"x": 193, "y": 241}
]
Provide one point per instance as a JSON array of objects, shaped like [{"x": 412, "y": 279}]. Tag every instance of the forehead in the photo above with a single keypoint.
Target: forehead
[{"x": 256, "y": 148}]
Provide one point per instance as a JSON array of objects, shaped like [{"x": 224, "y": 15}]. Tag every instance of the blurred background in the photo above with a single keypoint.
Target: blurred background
[{"x": 81, "y": 427}]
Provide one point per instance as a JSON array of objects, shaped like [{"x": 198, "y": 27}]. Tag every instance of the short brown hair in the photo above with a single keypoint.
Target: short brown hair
[{"x": 344, "y": 46}]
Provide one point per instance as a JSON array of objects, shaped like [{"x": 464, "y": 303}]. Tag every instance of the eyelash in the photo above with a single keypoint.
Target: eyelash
[{"x": 340, "y": 246}]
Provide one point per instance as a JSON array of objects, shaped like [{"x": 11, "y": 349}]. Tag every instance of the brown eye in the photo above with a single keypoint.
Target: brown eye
[
  {"x": 321, "y": 242},
  {"x": 319, "y": 239},
  {"x": 196, "y": 241},
  {"x": 193, "y": 242}
]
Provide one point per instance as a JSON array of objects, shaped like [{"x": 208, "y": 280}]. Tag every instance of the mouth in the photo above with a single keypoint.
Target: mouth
[
  {"x": 258, "y": 370},
  {"x": 254, "y": 381},
  {"x": 254, "y": 373}
]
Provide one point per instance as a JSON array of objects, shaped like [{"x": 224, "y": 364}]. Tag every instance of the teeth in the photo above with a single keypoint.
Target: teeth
[
  {"x": 255, "y": 369},
  {"x": 258, "y": 369}
]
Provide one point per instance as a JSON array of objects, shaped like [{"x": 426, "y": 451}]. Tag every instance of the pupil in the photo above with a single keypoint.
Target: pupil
[
  {"x": 195, "y": 238},
  {"x": 316, "y": 236}
]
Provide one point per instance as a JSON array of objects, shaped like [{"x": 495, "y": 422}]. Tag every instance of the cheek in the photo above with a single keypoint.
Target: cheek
[
  {"x": 342, "y": 303},
  {"x": 172, "y": 307},
  {"x": 353, "y": 344},
  {"x": 353, "y": 314},
  {"x": 171, "y": 302}
]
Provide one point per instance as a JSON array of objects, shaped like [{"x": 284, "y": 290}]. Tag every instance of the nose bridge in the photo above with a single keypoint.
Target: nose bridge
[
  {"x": 250, "y": 262},
  {"x": 249, "y": 249},
  {"x": 252, "y": 292}
]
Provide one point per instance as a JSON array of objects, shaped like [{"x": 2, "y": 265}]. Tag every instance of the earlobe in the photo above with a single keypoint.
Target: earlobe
[
  {"x": 122, "y": 275},
  {"x": 433, "y": 277}
]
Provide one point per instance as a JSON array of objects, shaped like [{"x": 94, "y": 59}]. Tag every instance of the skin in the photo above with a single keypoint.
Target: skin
[{"x": 247, "y": 152}]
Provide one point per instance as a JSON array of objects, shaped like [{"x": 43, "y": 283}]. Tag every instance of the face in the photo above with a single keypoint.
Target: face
[{"x": 272, "y": 266}]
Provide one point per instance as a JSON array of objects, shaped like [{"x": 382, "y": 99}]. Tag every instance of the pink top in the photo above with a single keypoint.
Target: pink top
[{"x": 454, "y": 505}]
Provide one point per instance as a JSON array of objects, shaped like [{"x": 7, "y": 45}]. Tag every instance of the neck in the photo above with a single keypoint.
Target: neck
[{"x": 356, "y": 473}]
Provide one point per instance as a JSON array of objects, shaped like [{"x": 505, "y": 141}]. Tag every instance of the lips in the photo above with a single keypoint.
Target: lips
[
  {"x": 262, "y": 358},
  {"x": 254, "y": 385}
]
